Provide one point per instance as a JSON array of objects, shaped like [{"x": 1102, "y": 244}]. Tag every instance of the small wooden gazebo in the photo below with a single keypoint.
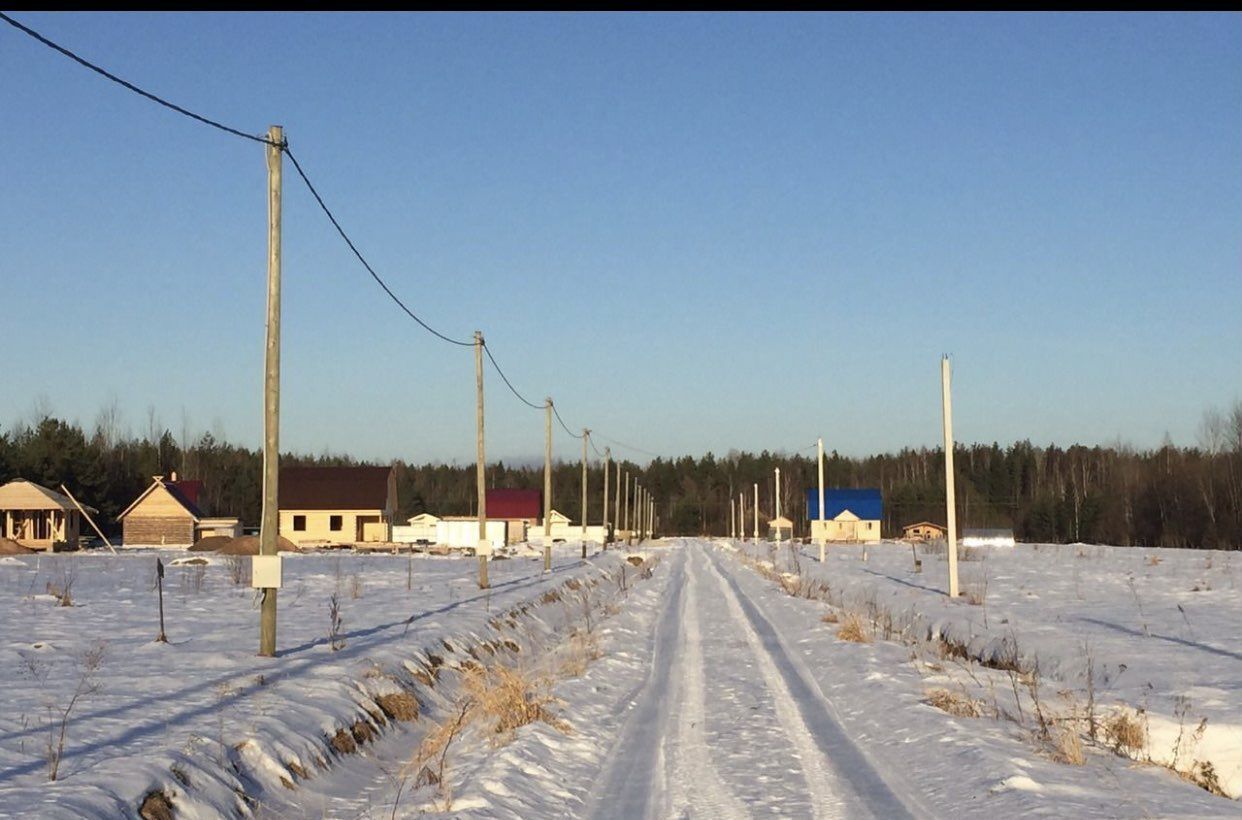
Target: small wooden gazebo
[{"x": 39, "y": 518}]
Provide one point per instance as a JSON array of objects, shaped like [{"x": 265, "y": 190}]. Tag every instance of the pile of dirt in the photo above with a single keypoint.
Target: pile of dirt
[
  {"x": 211, "y": 543},
  {"x": 10, "y": 547},
  {"x": 249, "y": 545}
]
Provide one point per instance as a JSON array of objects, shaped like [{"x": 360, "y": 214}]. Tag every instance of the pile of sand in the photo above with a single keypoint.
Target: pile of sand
[
  {"x": 10, "y": 547},
  {"x": 243, "y": 545}
]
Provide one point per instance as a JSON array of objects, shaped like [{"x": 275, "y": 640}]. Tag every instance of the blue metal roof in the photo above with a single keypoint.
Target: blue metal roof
[{"x": 865, "y": 503}]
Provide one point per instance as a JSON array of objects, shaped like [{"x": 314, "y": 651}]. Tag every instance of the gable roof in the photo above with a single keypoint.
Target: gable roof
[
  {"x": 20, "y": 494},
  {"x": 514, "y": 503},
  {"x": 184, "y": 493},
  {"x": 921, "y": 524},
  {"x": 867, "y": 503},
  {"x": 422, "y": 518},
  {"x": 782, "y": 522},
  {"x": 334, "y": 488}
]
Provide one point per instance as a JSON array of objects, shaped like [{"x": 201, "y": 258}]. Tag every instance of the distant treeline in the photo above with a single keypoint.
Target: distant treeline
[{"x": 1171, "y": 496}]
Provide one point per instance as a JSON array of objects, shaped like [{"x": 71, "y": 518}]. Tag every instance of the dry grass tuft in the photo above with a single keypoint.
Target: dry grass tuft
[
  {"x": 955, "y": 703},
  {"x": 362, "y": 731},
  {"x": 634, "y": 560},
  {"x": 550, "y": 597},
  {"x": 583, "y": 648},
  {"x": 1203, "y": 774},
  {"x": 1125, "y": 733},
  {"x": 852, "y": 629},
  {"x": 1153, "y": 560},
  {"x": 156, "y": 806},
  {"x": 399, "y": 706},
  {"x": 1067, "y": 746},
  {"x": 508, "y": 698},
  {"x": 830, "y": 617},
  {"x": 343, "y": 742}
]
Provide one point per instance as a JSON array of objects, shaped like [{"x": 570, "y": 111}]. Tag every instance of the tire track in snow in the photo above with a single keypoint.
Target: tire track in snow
[
  {"x": 829, "y": 758},
  {"x": 819, "y": 776},
  {"x": 632, "y": 784},
  {"x": 697, "y": 789}
]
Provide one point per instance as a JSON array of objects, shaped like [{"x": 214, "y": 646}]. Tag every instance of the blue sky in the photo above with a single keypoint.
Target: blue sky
[{"x": 695, "y": 232}]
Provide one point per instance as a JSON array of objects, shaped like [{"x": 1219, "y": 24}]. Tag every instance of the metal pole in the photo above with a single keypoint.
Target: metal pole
[
  {"x": 949, "y": 478},
  {"x": 485, "y": 548},
  {"x": 607, "y": 469},
  {"x": 586, "y": 440},
  {"x": 270, "y": 522},
  {"x": 547, "y": 485},
  {"x": 823, "y": 536}
]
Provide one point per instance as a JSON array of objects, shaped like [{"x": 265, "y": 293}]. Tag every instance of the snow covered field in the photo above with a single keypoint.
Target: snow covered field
[{"x": 695, "y": 685}]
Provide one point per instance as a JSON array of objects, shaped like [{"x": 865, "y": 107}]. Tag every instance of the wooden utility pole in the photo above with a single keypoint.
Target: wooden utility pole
[
  {"x": 269, "y": 527},
  {"x": 547, "y": 484},
  {"x": 484, "y": 549},
  {"x": 823, "y": 536},
  {"x": 607, "y": 469},
  {"x": 756, "y": 511},
  {"x": 586, "y": 439},
  {"x": 949, "y": 478}
]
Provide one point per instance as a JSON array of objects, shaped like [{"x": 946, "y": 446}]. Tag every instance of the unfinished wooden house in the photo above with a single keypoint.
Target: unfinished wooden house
[
  {"x": 167, "y": 514},
  {"x": 39, "y": 518}
]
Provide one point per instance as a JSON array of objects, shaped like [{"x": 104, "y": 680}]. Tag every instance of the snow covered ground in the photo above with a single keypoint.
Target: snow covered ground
[{"x": 693, "y": 686}]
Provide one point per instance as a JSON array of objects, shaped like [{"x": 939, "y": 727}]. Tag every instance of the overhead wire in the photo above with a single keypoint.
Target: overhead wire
[
  {"x": 378, "y": 280},
  {"x": 237, "y": 132},
  {"x": 310, "y": 186}
]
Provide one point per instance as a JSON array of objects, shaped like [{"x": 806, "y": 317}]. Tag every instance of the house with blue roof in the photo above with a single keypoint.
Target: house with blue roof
[{"x": 850, "y": 516}]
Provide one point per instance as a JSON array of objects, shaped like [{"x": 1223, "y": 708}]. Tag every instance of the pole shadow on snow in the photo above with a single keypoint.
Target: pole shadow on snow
[{"x": 1202, "y": 647}]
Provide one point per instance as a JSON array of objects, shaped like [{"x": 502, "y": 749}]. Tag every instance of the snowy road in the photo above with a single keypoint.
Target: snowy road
[{"x": 728, "y": 724}]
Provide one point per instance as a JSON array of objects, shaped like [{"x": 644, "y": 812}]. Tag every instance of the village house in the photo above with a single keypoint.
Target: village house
[
  {"x": 922, "y": 531},
  {"x": 780, "y": 529},
  {"x": 337, "y": 505},
  {"x": 39, "y": 518},
  {"x": 850, "y": 515},
  {"x": 519, "y": 509},
  {"x": 168, "y": 514}
]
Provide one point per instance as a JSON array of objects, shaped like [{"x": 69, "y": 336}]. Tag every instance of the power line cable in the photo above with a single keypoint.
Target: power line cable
[
  {"x": 323, "y": 205},
  {"x": 557, "y": 413},
  {"x": 613, "y": 441},
  {"x": 130, "y": 86},
  {"x": 508, "y": 383},
  {"x": 284, "y": 146}
]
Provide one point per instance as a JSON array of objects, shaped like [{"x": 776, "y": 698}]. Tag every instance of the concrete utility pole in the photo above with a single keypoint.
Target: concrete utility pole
[
  {"x": 741, "y": 516},
  {"x": 270, "y": 522},
  {"x": 485, "y": 548},
  {"x": 756, "y": 512},
  {"x": 616, "y": 500},
  {"x": 949, "y": 479},
  {"x": 607, "y": 469},
  {"x": 586, "y": 439},
  {"x": 547, "y": 484},
  {"x": 778, "y": 502},
  {"x": 625, "y": 518},
  {"x": 823, "y": 536},
  {"x": 732, "y": 518}
]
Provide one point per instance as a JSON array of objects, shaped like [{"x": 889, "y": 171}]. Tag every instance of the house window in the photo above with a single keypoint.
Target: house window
[
  {"x": 336, "y": 523},
  {"x": 299, "y": 523}
]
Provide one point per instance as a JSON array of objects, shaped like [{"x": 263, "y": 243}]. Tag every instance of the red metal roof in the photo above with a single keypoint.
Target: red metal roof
[{"x": 510, "y": 504}]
